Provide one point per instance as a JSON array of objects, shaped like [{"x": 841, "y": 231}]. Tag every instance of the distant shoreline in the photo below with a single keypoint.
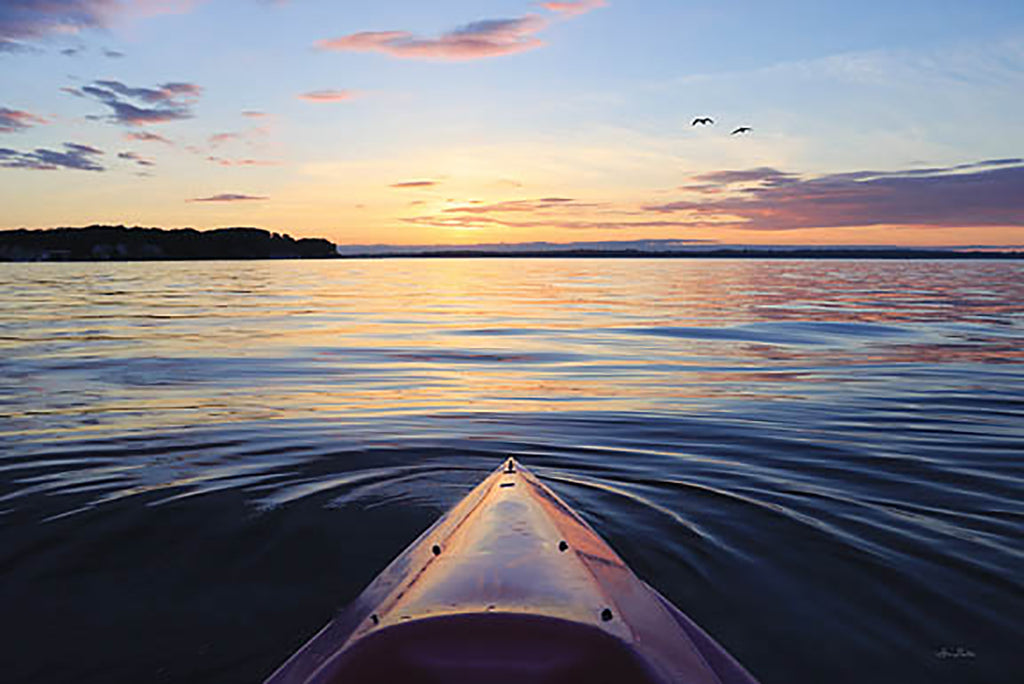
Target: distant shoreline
[
  {"x": 120, "y": 243},
  {"x": 824, "y": 253}
]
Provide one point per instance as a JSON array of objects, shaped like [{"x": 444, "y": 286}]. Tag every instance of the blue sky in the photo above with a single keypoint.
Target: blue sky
[{"x": 452, "y": 122}]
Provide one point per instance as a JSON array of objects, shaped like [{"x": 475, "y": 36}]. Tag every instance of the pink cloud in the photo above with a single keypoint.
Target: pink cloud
[
  {"x": 477, "y": 40},
  {"x": 574, "y": 8},
  {"x": 545, "y": 204},
  {"x": 34, "y": 19},
  {"x": 221, "y": 138},
  {"x": 415, "y": 184},
  {"x": 981, "y": 193},
  {"x": 252, "y": 114},
  {"x": 254, "y": 138},
  {"x": 228, "y": 197},
  {"x": 475, "y": 221},
  {"x": 328, "y": 95},
  {"x": 241, "y": 162},
  {"x": 14, "y": 120},
  {"x": 144, "y": 136}
]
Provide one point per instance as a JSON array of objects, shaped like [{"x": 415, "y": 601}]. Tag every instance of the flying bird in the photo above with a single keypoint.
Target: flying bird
[
  {"x": 742, "y": 129},
  {"x": 703, "y": 120}
]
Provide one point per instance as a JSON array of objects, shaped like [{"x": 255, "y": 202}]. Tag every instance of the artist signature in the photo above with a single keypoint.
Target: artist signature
[{"x": 955, "y": 652}]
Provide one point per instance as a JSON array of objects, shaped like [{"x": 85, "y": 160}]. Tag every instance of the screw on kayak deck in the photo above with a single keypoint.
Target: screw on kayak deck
[
  {"x": 563, "y": 545},
  {"x": 606, "y": 614},
  {"x": 436, "y": 549},
  {"x": 511, "y": 467},
  {"x": 374, "y": 619}
]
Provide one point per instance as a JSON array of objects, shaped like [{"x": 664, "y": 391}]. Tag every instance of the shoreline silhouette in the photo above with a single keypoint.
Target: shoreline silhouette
[
  {"x": 724, "y": 253},
  {"x": 120, "y": 243}
]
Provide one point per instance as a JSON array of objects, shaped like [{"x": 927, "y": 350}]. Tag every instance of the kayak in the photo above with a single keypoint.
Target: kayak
[{"x": 511, "y": 585}]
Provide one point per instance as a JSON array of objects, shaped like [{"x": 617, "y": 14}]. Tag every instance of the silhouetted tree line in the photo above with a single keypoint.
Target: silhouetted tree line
[{"x": 119, "y": 243}]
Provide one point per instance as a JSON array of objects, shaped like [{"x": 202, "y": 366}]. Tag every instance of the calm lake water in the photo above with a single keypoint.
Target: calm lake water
[{"x": 818, "y": 461}]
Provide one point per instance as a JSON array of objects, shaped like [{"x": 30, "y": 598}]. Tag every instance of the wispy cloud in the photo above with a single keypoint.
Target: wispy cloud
[
  {"x": 81, "y": 50},
  {"x": 133, "y": 106},
  {"x": 146, "y": 136},
  {"x": 544, "y": 204},
  {"x": 12, "y": 47},
  {"x": 416, "y": 184},
  {"x": 544, "y": 212},
  {"x": 223, "y": 161},
  {"x": 476, "y": 40},
  {"x": 476, "y": 221},
  {"x": 763, "y": 174},
  {"x": 229, "y": 197},
  {"x": 22, "y": 20},
  {"x": 15, "y": 120},
  {"x": 975, "y": 194},
  {"x": 253, "y": 114},
  {"x": 574, "y": 8},
  {"x": 328, "y": 95},
  {"x": 133, "y": 157},
  {"x": 220, "y": 138},
  {"x": 74, "y": 156},
  {"x": 982, "y": 193},
  {"x": 254, "y": 139}
]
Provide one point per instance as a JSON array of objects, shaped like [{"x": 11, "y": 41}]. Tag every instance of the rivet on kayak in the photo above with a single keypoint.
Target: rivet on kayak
[
  {"x": 436, "y": 549},
  {"x": 511, "y": 466},
  {"x": 606, "y": 614},
  {"x": 374, "y": 619},
  {"x": 563, "y": 545}
]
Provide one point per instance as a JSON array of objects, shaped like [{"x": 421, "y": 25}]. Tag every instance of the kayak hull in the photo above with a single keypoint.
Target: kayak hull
[{"x": 511, "y": 585}]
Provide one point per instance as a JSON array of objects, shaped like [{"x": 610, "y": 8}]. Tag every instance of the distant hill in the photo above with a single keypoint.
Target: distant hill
[
  {"x": 672, "y": 249},
  {"x": 118, "y": 243},
  {"x": 723, "y": 253}
]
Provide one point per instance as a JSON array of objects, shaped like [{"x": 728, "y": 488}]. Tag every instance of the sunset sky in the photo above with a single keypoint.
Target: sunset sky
[{"x": 455, "y": 122}]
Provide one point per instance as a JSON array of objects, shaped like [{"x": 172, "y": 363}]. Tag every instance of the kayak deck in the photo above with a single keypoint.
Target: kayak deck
[{"x": 510, "y": 585}]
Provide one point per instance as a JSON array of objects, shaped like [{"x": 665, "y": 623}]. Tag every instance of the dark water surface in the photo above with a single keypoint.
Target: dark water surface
[{"x": 819, "y": 461}]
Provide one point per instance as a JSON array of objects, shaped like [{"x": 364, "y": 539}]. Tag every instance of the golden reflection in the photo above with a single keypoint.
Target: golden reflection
[{"x": 130, "y": 345}]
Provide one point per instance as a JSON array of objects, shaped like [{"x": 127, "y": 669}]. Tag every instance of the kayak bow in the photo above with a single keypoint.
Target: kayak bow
[{"x": 510, "y": 586}]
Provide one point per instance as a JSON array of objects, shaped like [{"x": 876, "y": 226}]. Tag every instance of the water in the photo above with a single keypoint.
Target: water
[{"x": 819, "y": 461}]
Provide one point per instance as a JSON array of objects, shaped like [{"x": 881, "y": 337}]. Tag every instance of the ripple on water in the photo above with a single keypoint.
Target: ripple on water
[{"x": 818, "y": 461}]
